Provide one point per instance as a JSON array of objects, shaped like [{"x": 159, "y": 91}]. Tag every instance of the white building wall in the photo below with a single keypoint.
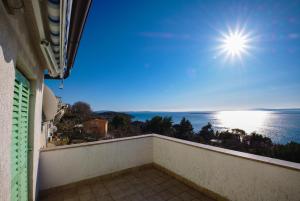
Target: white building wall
[
  {"x": 7, "y": 74},
  {"x": 36, "y": 133},
  {"x": 71, "y": 163},
  {"x": 231, "y": 174},
  {"x": 17, "y": 50}
]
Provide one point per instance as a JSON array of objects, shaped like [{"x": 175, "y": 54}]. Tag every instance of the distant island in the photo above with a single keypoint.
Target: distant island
[{"x": 109, "y": 115}]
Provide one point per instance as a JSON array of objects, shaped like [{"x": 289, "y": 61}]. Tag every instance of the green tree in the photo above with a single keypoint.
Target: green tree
[
  {"x": 184, "y": 130},
  {"x": 206, "y": 133},
  {"x": 159, "y": 125},
  {"x": 120, "y": 126},
  {"x": 238, "y": 131},
  {"x": 77, "y": 113},
  {"x": 82, "y": 111},
  {"x": 67, "y": 122},
  {"x": 120, "y": 122},
  {"x": 289, "y": 151}
]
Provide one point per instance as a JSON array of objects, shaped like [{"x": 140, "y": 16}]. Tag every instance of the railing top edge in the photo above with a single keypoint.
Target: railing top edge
[
  {"x": 94, "y": 143},
  {"x": 246, "y": 156},
  {"x": 262, "y": 159}
]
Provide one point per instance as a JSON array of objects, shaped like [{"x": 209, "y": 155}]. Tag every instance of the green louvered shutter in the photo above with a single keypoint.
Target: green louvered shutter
[{"x": 19, "y": 160}]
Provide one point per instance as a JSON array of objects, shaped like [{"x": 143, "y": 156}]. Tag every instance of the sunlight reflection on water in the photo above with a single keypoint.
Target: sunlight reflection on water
[
  {"x": 277, "y": 126},
  {"x": 281, "y": 126},
  {"x": 249, "y": 121}
]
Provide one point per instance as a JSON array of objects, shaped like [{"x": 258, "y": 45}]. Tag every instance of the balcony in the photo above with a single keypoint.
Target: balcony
[
  {"x": 144, "y": 183},
  {"x": 155, "y": 167}
]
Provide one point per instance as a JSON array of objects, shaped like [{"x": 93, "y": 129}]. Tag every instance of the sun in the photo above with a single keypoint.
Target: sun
[{"x": 234, "y": 43}]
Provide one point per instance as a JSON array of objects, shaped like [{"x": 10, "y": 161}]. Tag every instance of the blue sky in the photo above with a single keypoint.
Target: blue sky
[{"x": 162, "y": 55}]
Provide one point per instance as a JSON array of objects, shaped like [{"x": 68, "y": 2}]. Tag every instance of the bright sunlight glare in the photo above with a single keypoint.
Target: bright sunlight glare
[
  {"x": 234, "y": 43},
  {"x": 250, "y": 121}
]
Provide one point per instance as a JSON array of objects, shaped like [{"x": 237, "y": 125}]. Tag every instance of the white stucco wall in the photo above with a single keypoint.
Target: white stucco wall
[
  {"x": 71, "y": 163},
  {"x": 231, "y": 174},
  {"x": 7, "y": 74},
  {"x": 234, "y": 175},
  {"x": 17, "y": 50},
  {"x": 35, "y": 132}
]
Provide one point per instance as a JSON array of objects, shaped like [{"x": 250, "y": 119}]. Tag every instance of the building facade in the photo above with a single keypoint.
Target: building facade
[
  {"x": 98, "y": 127},
  {"x": 29, "y": 53}
]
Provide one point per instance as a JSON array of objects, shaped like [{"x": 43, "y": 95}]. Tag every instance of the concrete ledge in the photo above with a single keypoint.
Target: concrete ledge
[
  {"x": 217, "y": 172},
  {"x": 263, "y": 159},
  {"x": 69, "y": 164},
  {"x": 231, "y": 174},
  {"x": 94, "y": 143}
]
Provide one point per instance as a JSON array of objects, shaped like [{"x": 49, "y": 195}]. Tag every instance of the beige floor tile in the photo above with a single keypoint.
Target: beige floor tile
[{"x": 147, "y": 184}]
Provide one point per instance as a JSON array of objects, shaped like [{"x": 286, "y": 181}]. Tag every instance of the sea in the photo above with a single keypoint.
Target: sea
[{"x": 281, "y": 125}]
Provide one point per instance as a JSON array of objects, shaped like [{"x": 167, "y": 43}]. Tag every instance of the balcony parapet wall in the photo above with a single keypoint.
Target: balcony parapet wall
[{"x": 230, "y": 174}]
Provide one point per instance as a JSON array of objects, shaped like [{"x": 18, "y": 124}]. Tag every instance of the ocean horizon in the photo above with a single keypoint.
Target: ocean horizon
[{"x": 281, "y": 125}]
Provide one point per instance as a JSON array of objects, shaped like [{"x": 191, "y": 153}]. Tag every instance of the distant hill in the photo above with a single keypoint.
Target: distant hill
[
  {"x": 278, "y": 109},
  {"x": 109, "y": 115}
]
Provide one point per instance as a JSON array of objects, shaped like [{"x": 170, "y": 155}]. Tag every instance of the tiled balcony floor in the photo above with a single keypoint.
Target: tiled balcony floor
[{"x": 145, "y": 184}]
